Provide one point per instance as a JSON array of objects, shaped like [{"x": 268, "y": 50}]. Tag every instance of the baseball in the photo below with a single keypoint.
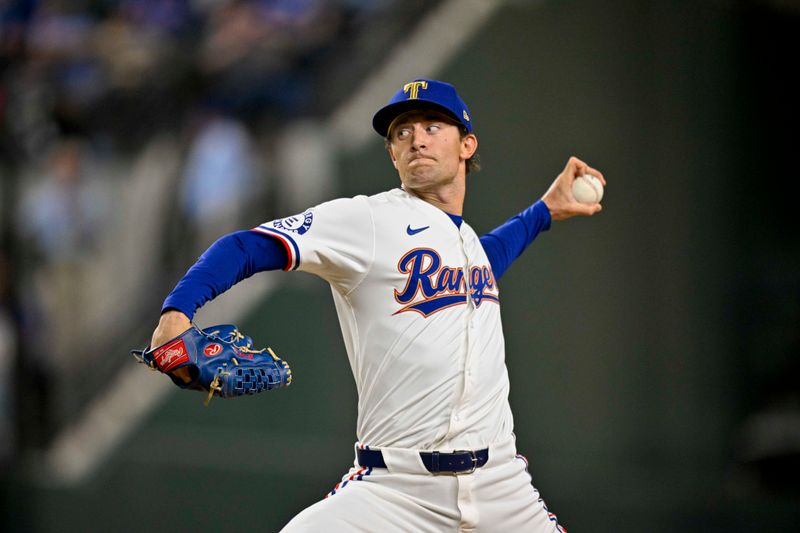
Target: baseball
[{"x": 587, "y": 189}]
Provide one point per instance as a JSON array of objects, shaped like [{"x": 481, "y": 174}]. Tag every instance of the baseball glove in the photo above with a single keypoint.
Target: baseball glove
[{"x": 219, "y": 361}]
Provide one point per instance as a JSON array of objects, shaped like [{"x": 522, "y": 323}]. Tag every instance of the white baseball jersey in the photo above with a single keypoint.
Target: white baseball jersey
[
  {"x": 419, "y": 311},
  {"x": 420, "y": 315}
]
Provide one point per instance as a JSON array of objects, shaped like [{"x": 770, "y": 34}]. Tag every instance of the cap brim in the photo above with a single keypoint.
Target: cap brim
[{"x": 384, "y": 117}]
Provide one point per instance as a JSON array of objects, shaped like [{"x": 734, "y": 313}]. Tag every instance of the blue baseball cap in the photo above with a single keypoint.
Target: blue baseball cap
[{"x": 423, "y": 94}]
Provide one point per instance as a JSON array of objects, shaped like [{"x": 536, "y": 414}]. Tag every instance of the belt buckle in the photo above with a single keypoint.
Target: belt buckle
[{"x": 474, "y": 462}]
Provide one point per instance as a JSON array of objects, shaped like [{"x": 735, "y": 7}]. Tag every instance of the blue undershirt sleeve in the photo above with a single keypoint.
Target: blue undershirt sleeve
[
  {"x": 506, "y": 242},
  {"x": 228, "y": 261}
]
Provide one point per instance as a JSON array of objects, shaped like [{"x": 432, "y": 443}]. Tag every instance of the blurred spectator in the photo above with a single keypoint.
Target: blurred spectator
[
  {"x": 63, "y": 215},
  {"x": 220, "y": 178},
  {"x": 62, "y": 220},
  {"x": 58, "y": 32},
  {"x": 138, "y": 43}
]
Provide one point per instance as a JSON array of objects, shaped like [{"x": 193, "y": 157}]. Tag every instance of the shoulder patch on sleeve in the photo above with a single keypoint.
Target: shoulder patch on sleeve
[{"x": 296, "y": 223}]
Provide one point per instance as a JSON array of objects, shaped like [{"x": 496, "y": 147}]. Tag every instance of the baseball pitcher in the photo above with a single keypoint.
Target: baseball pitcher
[{"x": 418, "y": 298}]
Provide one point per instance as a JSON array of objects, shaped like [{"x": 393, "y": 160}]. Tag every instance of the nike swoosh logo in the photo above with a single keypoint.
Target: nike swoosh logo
[{"x": 414, "y": 231}]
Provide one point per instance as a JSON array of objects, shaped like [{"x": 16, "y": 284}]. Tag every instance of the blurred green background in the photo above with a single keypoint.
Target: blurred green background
[{"x": 638, "y": 342}]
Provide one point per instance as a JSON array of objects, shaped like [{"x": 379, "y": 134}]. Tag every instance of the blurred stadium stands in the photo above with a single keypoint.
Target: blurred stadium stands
[{"x": 135, "y": 132}]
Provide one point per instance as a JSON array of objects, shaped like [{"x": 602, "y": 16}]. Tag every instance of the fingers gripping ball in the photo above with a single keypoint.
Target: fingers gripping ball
[
  {"x": 218, "y": 361},
  {"x": 587, "y": 189}
]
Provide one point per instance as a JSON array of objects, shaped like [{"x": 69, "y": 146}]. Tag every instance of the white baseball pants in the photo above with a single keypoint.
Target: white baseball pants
[{"x": 405, "y": 497}]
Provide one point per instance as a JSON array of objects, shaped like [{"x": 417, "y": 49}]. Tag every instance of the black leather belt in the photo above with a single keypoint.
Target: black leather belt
[{"x": 458, "y": 462}]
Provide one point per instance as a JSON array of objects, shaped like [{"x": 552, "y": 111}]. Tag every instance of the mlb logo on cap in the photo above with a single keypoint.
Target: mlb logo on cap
[{"x": 423, "y": 94}]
